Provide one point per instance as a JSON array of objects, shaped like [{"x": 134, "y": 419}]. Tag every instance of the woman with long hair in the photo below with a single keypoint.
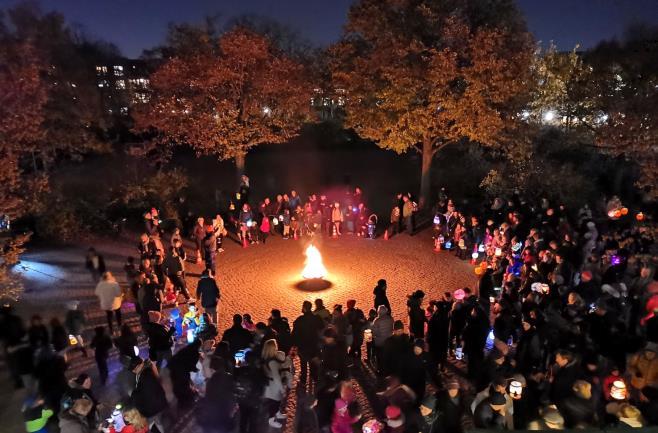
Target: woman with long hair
[{"x": 275, "y": 389}]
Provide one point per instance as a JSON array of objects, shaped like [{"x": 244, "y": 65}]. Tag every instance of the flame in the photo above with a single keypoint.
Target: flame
[{"x": 313, "y": 267}]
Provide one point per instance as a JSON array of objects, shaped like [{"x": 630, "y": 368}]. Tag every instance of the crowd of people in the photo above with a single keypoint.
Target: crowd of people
[{"x": 561, "y": 332}]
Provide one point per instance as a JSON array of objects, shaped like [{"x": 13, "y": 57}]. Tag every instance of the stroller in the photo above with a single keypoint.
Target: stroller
[{"x": 371, "y": 226}]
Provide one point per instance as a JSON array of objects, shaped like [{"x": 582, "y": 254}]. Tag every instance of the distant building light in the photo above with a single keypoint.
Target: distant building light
[
  {"x": 120, "y": 84},
  {"x": 124, "y": 111},
  {"x": 525, "y": 114},
  {"x": 118, "y": 70},
  {"x": 267, "y": 111},
  {"x": 549, "y": 116}
]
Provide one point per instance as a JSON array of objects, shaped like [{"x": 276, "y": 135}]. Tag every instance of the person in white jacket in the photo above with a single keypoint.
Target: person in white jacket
[{"x": 110, "y": 296}]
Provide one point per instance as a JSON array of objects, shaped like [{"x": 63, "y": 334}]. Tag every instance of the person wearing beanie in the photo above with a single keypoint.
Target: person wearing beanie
[
  {"x": 490, "y": 413},
  {"x": 397, "y": 349},
  {"x": 450, "y": 403},
  {"x": 643, "y": 367},
  {"x": 578, "y": 409},
  {"x": 550, "y": 419}
]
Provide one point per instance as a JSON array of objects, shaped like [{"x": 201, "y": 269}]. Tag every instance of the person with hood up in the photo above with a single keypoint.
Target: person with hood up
[
  {"x": 380, "y": 296},
  {"x": 416, "y": 314},
  {"x": 382, "y": 329}
]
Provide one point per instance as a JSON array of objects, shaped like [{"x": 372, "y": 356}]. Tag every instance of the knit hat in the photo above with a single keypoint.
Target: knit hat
[
  {"x": 497, "y": 399},
  {"x": 582, "y": 389},
  {"x": 453, "y": 384},
  {"x": 551, "y": 415},
  {"x": 393, "y": 412},
  {"x": 419, "y": 342},
  {"x": 429, "y": 402}
]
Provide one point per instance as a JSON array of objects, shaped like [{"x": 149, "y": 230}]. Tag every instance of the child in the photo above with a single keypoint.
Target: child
[
  {"x": 170, "y": 296},
  {"x": 191, "y": 318},
  {"x": 264, "y": 228},
  {"x": 286, "y": 223},
  {"x": 372, "y": 315},
  {"x": 176, "y": 322},
  {"x": 247, "y": 323},
  {"x": 102, "y": 343}
]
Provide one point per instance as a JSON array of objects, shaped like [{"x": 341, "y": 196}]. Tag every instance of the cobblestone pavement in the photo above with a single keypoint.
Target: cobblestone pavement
[{"x": 252, "y": 280}]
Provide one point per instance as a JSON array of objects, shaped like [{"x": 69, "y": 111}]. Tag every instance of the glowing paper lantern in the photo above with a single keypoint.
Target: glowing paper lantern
[
  {"x": 372, "y": 426},
  {"x": 481, "y": 248},
  {"x": 624, "y": 211},
  {"x": 639, "y": 216},
  {"x": 136, "y": 350},
  {"x": 617, "y": 213},
  {"x": 515, "y": 389},
  {"x": 459, "y": 293},
  {"x": 367, "y": 335},
  {"x": 479, "y": 271},
  {"x": 72, "y": 340},
  {"x": 475, "y": 256},
  {"x": 611, "y": 213},
  {"x": 498, "y": 252},
  {"x": 618, "y": 390}
]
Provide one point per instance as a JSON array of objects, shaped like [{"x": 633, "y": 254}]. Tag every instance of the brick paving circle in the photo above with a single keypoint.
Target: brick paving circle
[{"x": 261, "y": 277}]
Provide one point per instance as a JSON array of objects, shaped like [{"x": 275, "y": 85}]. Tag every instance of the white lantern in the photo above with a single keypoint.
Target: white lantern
[
  {"x": 367, "y": 335},
  {"x": 498, "y": 252},
  {"x": 72, "y": 340},
  {"x": 475, "y": 255},
  {"x": 515, "y": 389},
  {"x": 618, "y": 390}
]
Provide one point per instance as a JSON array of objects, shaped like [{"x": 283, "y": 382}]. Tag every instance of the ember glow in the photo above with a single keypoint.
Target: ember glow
[{"x": 313, "y": 267}]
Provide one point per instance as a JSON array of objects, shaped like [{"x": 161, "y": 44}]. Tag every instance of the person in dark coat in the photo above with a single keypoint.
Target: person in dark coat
[
  {"x": 148, "y": 396},
  {"x": 417, "y": 371},
  {"x": 490, "y": 413},
  {"x": 578, "y": 409},
  {"x": 160, "y": 338},
  {"x": 180, "y": 366},
  {"x": 207, "y": 292},
  {"x": 566, "y": 371},
  {"x": 281, "y": 327},
  {"x": 450, "y": 407},
  {"x": 357, "y": 321},
  {"x": 438, "y": 338},
  {"x": 58, "y": 336},
  {"x": 126, "y": 341},
  {"x": 216, "y": 411},
  {"x": 37, "y": 333},
  {"x": 333, "y": 355},
  {"x": 397, "y": 350},
  {"x": 380, "y": 295},
  {"x": 236, "y": 336},
  {"x": 306, "y": 337},
  {"x": 95, "y": 264},
  {"x": 416, "y": 314},
  {"x": 475, "y": 337},
  {"x": 529, "y": 350},
  {"x": 102, "y": 344},
  {"x": 306, "y": 419}
]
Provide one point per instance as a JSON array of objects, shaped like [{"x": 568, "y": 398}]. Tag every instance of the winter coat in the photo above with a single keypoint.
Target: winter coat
[
  {"x": 644, "y": 372},
  {"x": 306, "y": 334},
  {"x": 72, "y": 423},
  {"x": 207, "y": 292},
  {"x": 485, "y": 417},
  {"x": 237, "y": 338},
  {"x": 159, "y": 337},
  {"x": 577, "y": 412},
  {"x": 149, "y": 396},
  {"x": 382, "y": 328},
  {"x": 563, "y": 381},
  {"x": 109, "y": 295},
  {"x": 450, "y": 412},
  {"x": 274, "y": 388}
]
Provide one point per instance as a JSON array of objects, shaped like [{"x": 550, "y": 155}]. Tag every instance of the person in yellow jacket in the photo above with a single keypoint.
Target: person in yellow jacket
[{"x": 643, "y": 367}]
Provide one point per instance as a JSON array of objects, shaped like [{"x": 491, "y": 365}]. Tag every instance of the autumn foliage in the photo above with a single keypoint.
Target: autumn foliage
[
  {"x": 421, "y": 76},
  {"x": 235, "y": 93}
]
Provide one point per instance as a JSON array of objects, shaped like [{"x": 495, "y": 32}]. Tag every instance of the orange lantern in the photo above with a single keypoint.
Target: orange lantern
[
  {"x": 639, "y": 216},
  {"x": 617, "y": 213},
  {"x": 479, "y": 271},
  {"x": 624, "y": 211}
]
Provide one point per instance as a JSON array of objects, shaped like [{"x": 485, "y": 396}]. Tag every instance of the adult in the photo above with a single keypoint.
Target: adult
[
  {"x": 380, "y": 296},
  {"x": 382, "y": 329},
  {"x": 306, "y": 337},
  {"x": 180, "y": 366},
  {"x": 149, "y": 396},
  {"x": 199, "y": 233},
  {"x": 110, "y": 297},
  {"x": 236, "y": 336},
  {"x": 357, "y": 321},
  {"x": 160, "y": 338},
  {"x": 207, "y": 292},
  {"x": 174, "y": 269},
  {"x": 95, "y": 264}
]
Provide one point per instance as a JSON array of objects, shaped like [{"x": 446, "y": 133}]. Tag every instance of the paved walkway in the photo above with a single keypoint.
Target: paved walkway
[{"x": 252, "y": 280}]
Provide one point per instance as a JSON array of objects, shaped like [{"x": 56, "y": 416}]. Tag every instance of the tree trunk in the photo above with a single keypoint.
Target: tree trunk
[
  {"x": 239, "y": 165},
  {"x": 425, "y": 180}
]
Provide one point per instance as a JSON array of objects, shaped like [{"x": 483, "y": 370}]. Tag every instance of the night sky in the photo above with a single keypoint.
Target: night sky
[{"x": 137, "y": 24}]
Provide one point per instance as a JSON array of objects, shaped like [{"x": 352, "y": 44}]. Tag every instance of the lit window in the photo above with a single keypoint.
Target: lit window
[
  {"x": 101, "y": 70},
  {"x": 124, "y": 111},
  {"x": 118, "y": 70},
  {"x": 120, "y": 84},
  {"x": 103, "y": 83},
  {"x": 141, "y": 98}
]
